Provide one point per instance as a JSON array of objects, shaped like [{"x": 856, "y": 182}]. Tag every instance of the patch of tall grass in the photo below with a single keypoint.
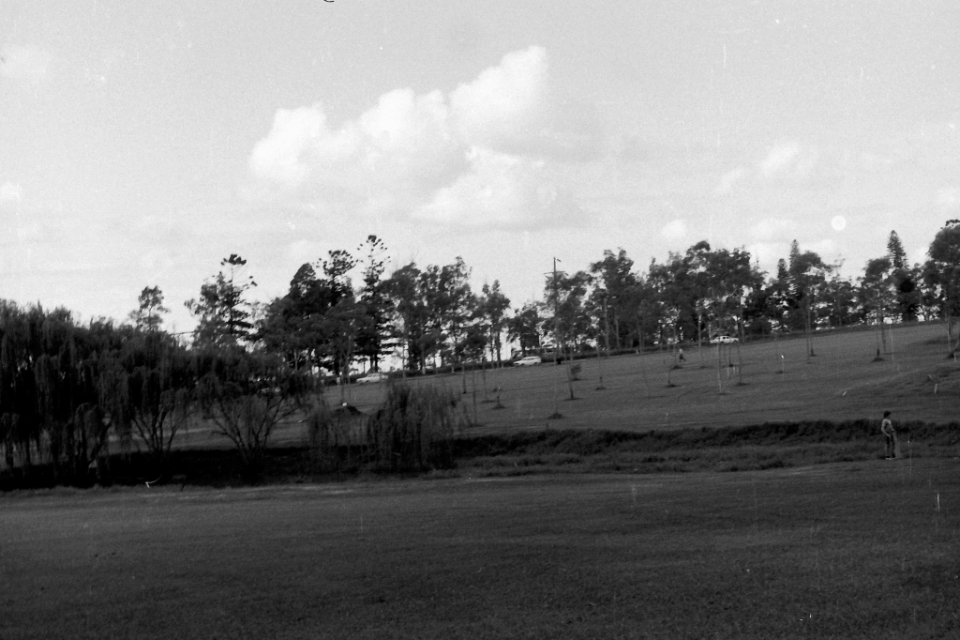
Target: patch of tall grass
[
  {"x": 414, "y": 429},
  {"x": 766, "y": 446}
]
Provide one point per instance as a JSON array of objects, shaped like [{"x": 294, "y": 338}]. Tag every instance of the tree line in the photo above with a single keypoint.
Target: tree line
[{"x": 71, "y": 392}]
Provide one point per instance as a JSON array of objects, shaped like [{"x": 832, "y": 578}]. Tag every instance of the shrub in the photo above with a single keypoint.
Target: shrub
[
  {"x": 336, "y": 437},
  {"x": 246, "y": 395},
  {"x": 413, "y": 430}
]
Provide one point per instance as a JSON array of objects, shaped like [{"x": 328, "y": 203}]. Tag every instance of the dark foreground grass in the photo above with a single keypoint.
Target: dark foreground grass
[{"x": 855, "y": 550}]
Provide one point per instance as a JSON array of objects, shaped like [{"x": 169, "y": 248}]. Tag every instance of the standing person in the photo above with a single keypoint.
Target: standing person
[{"x": 890, "y": 436}]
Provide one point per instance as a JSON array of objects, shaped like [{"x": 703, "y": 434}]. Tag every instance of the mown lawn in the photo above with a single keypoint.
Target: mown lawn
[
  {"x": 850, "y": 550},
  {"x": 843, "y": 381}
]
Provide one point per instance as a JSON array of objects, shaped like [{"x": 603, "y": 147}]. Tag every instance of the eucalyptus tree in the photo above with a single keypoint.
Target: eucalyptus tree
[
  {"x": 879, "y": 295},
  {"x": 451, "y": 301},
  {"x": 492, "y": 306},
  {"x": 845, "y": 300},
  {"x": 597, "y": 308},
  {"x": 731, "y": 277},
  {"x": 409, "y": 314},
  {"x": 614, "y": 281},
  {"x": 564, "y": 298},
  {"x": 807, "y": 277},
  {"x": 318, "y": 321},
  {"x": 942, "y": 275},
  {"x": 525, "y": 327}
]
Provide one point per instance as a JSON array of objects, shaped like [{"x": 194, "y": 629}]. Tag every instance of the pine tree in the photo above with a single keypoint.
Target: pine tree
[
  {"x": 223, "y": 312},
  {"x": 147, "y": 316}
]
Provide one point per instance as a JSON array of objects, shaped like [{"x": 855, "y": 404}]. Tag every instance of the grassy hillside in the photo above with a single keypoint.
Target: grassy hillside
[{"x": 842, "y": 382}]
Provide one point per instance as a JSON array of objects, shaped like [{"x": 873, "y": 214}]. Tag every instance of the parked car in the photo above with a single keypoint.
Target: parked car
[
  {"x": 724, "y": 340},
  {"x": 527, "y": 361},
  {"x": 376, "y": 376}
]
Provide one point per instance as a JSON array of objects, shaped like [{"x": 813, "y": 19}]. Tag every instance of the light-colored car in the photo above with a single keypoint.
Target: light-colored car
[
  {"x": 527, "y": 361},
  {"x": 370, "y": 378},
  {"x": 724, "y": 340}
]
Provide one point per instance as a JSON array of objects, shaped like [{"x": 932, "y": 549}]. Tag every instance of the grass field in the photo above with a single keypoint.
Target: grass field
[
  {"x": 862, "y": 550},
  {"x": 523, "y": 540},
  {"x": 843, "y": 381}
]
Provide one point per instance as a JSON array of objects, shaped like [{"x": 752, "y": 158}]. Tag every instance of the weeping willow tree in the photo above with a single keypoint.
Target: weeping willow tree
[
  {"x": 413, "y": 429},
  {"x": 69, "y": 378},
  {"x": 64, "y": 390},
  {"x": 19, "y": 413}
]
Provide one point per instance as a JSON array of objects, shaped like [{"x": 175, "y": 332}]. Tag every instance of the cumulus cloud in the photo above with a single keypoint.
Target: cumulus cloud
[
  {"x": 279, "y": 157},
  {"x": 778, "y": 158},
  {"x": 499, "y": 190},
  {"x": 472, "y": 157},
  {"x": 788, "y": 161},
  {"x": 501, "y": 106},
  {"x": 827, "y": 248},
  {"x": 24, "y": 63},
  {"x": 769, "y": 253}
]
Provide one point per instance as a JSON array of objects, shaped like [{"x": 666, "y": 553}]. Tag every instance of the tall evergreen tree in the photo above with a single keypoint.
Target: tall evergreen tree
[
  {"x": 904, "y": 279},
  {"x": 373, "y": 340},
  {"x": 223, "y": 312},
  {"x": 147, "y": 316}
]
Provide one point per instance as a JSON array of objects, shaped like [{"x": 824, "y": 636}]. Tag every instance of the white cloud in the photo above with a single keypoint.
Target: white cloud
[
  {"x": 279, "y": 157},
  {"x": 826, "y": 248},
  {"x": 502, "y": 105},
  {"x": 500, "y": 190},
  {"x": 768, "y": 253},
  {"x": 675, "y": 230},
  {"x": 778, "y": 159},
  {"x": 474, "y": 157},
  {"x": 789, "y": 161},
  {"x": 24, "y": 63}
]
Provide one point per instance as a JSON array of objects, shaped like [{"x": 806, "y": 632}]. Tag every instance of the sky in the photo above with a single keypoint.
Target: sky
[{"x": 141, "y": 143}]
